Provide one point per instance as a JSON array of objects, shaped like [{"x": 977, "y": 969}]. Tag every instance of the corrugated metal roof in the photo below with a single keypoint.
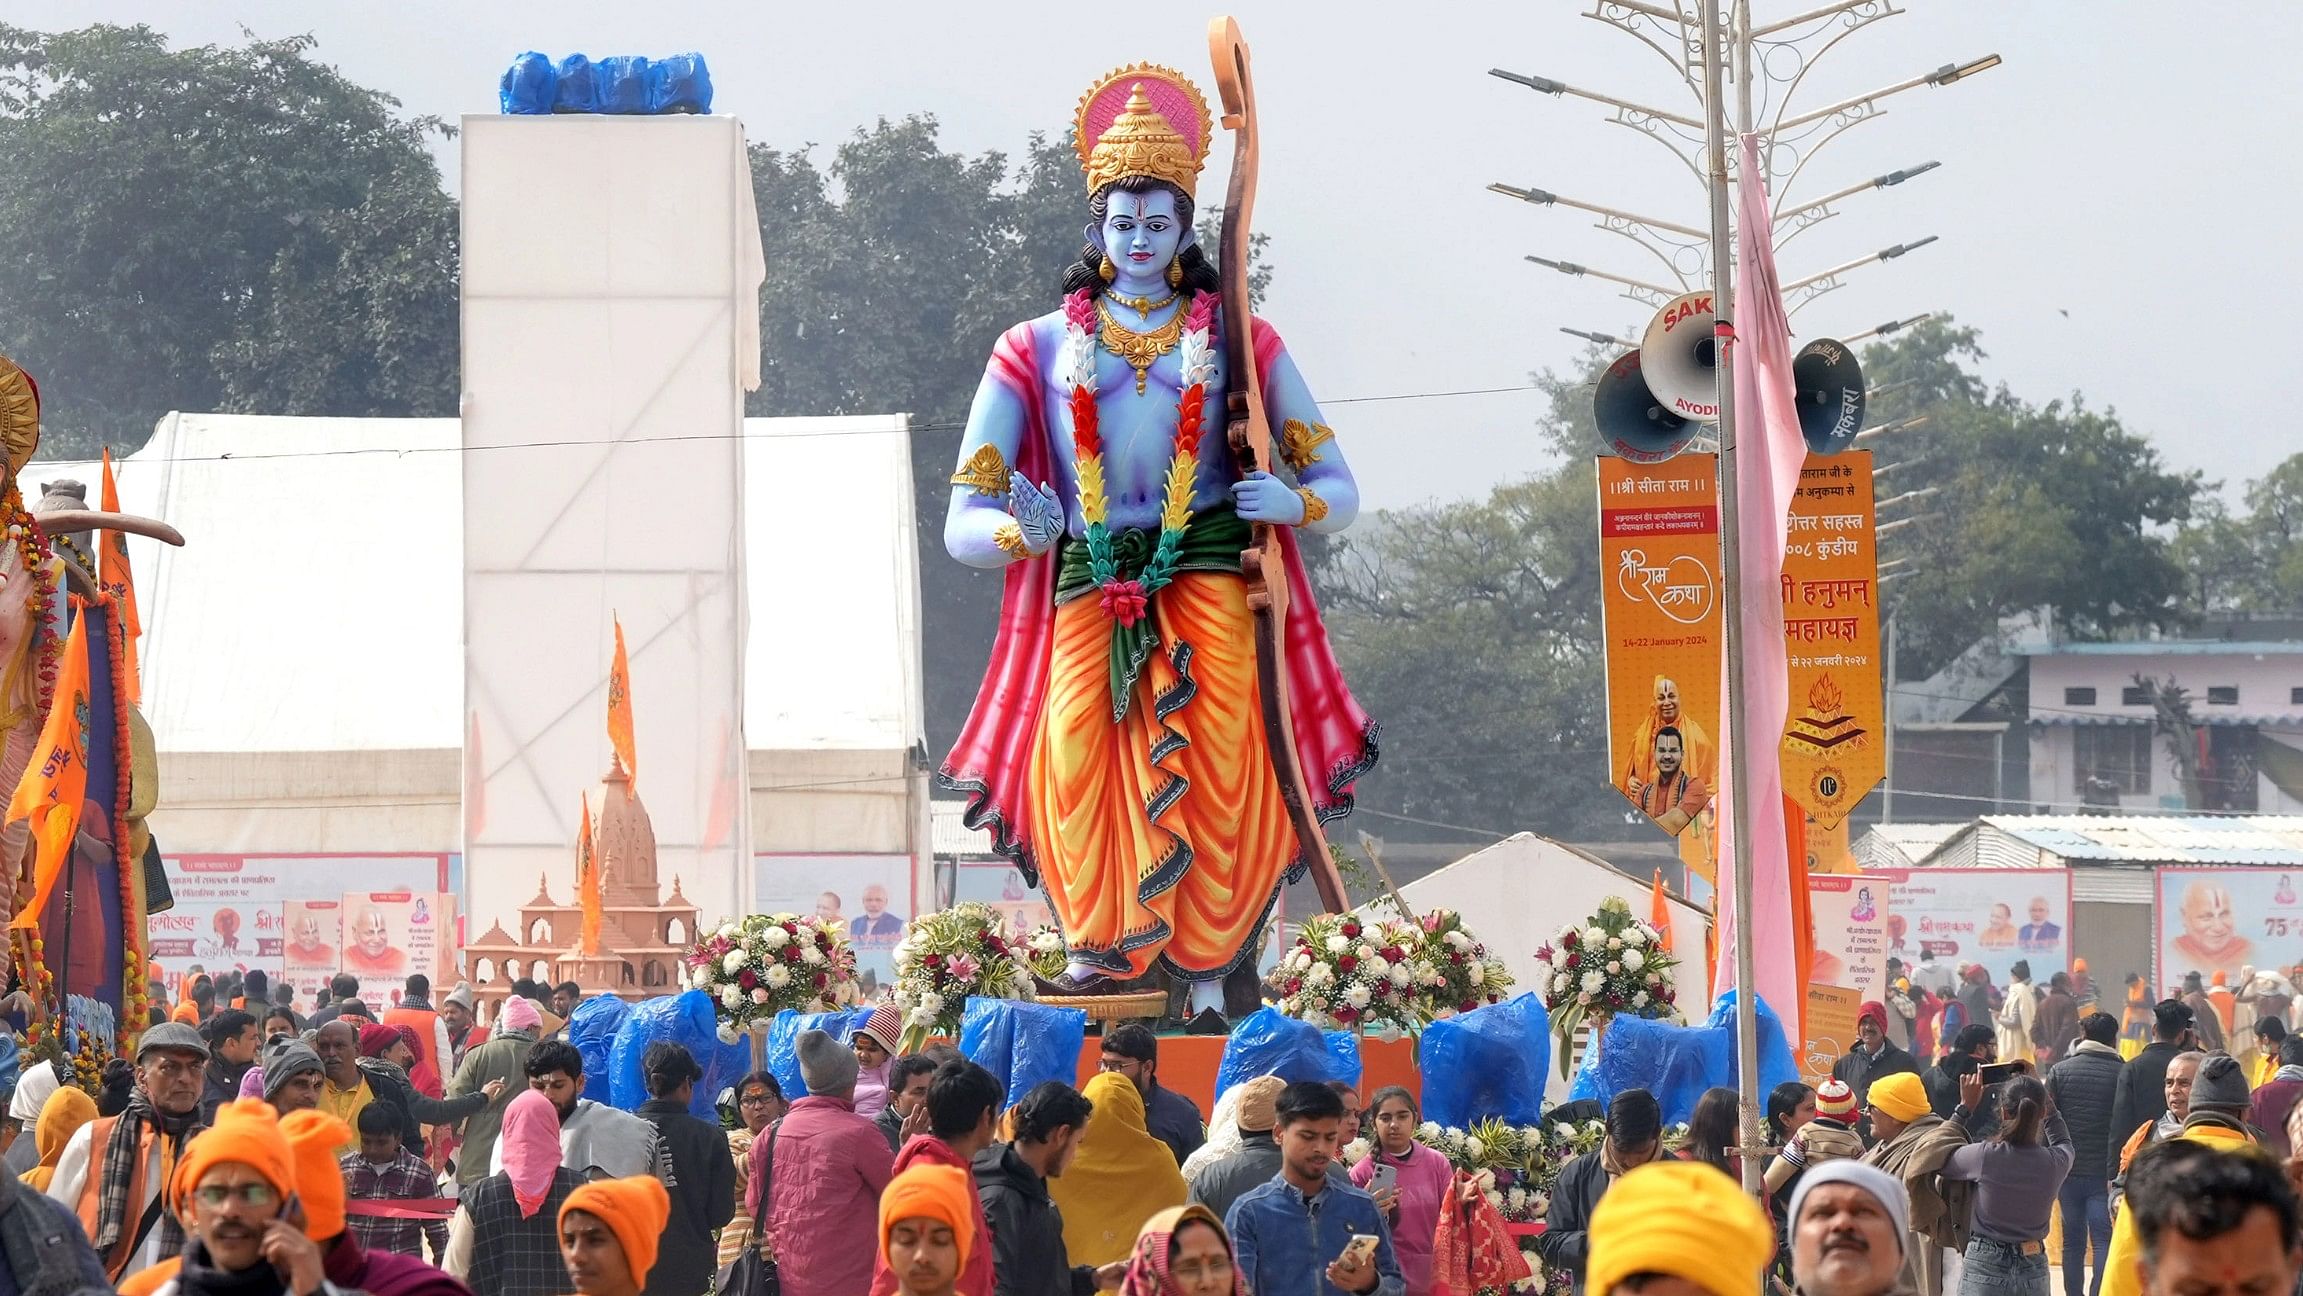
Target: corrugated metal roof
[
  {"x": 2027, "y": 841},
  {"x": 949, "y": 838},
  {"x": 2164, "y": 648},
  {"x": 1903, "y": 845},
  {"x": 2276, "y": 720}
]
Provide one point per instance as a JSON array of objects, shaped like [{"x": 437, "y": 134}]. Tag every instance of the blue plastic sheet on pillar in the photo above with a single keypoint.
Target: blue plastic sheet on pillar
[
  {"x": 727, "y": 1064},
  {"x": 686, "y": 1018},
  {"x": 1490, "y": 1062},
  {"x": 1022, "y": 1043},
  {"x": 623, "y": 84},
  {"x": 529, "y": 85},
  {"x": 680, "y": 83},
  {"x": 577, "y": 88},
  {"x": 593, "y": 1031},
  {"x": 784, "y": 1042},
  {"x": 1269, "y": 1043},
  {"x": 11, "y": 1062},
  {"x": 1677, "y": 1063},
  {"x": 1343, "y": 1056}
]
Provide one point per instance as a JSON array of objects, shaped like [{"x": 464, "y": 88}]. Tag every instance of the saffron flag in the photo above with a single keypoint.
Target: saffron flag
[
  {"x": 587, "y": 879},
  {"x": 1771, "y": 451},
  {"x": 620, "y": 710},
  {"x": 55, "y": 781},
  {"x": 118, "y": 582},
  {"x": 1659, "y": 911}
]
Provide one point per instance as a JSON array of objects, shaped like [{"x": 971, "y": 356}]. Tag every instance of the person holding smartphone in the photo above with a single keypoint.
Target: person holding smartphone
[
  {"x": 234, "y": 1192},
  {"x": 2017, "y": 1174},
  {"x": 1302, "y": 1233},
  {"x": 1408, "y": 1181}
]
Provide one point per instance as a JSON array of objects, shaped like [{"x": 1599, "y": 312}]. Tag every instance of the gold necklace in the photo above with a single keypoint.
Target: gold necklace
[
  {"x": 1139, "y": 350},
  {"x": 1143, "y": 306}
]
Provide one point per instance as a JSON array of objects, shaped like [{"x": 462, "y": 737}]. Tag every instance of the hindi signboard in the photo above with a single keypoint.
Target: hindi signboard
[
  {"x": 1834, "y": 747},
  {"x": 2214, "y": 920},
  {"x": 1989, "y": 916},
  {"x": 1659, "y": 577}
]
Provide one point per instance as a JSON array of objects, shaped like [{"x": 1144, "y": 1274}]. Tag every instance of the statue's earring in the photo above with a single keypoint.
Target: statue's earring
[
  {"x": 1175, "y": 273},
  {"x": 1105, "y": 270}
]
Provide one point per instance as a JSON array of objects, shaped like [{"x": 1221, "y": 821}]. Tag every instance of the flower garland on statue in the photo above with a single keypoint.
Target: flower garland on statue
[
  {"x": 951, "y": 955},
  {"x": 85, "y": 1038},
  {"x": 1611, "y": 964},
  {"x": 766, "y": 963},
  {"x": 1129, "y": 601},
  {"x": 1517, "y": 1167}
]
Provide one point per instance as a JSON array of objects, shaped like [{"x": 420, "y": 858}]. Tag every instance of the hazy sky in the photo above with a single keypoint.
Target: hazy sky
[{"x": 2127, "y": 165}]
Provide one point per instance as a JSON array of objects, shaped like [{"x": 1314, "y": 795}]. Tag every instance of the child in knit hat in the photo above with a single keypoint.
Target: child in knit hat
[{"x": 1829, "y": 1137}]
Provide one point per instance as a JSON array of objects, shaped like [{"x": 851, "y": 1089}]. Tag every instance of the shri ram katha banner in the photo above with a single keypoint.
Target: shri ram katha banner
[
  {"x": 1659, "y": 562},
  {"x": 1833, "y": 748}
]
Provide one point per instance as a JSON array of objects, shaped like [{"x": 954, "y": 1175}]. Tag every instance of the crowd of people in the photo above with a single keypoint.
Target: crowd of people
[{"x": 420, "y": 1154}]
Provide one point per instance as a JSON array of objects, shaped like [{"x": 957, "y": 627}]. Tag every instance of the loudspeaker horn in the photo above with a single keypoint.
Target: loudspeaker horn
[
  {"x": 1679, "y": 358},
  {"x": 1632, "y": 421},
  {"x": 1829, "y": 387}
]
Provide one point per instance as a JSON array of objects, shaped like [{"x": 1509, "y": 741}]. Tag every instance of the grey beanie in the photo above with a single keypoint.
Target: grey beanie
[
  {"x": 1870, "y": 1178},
  {"x": 286, "y": 1061},
  {"x": 2221, "y": 1084},
  {"x": 827, "y": 1065},
  {"x": 461, "y": 996}
]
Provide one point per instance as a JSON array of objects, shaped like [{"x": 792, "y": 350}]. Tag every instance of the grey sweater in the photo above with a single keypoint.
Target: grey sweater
[{"x": 2015, "y": 1186}]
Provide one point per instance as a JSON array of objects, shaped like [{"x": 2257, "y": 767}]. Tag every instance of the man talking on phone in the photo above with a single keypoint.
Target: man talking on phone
[
  {"x": 1303, "y": 1233},
  {"x": 232, "y": 1191}
]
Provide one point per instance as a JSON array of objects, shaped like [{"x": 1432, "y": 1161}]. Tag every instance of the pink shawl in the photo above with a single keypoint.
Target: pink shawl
[
  {"x": 531, "y": 1147},
  {"x": 1335, "y": 740}
]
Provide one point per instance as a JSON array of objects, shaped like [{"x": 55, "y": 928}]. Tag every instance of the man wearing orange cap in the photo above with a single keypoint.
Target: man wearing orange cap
[
  {"x": 927, "y": 1229},
  {"x": 233, "y": 1191},
  {"x": 608, "y": 1233}
]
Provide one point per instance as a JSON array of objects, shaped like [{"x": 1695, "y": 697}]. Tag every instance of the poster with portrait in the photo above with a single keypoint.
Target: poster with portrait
[
  {"x": 1850, "y": 912},
  {"x": 870, "y": 895},
  {"x": 311, "y": 953},
  {"x": 1995, "y": 917},
  {"x": 1659, "y": 603},
  {"x": 998, "y": 884},
  {"x": 227, "y": 916},
  {"x": 2211, "y": 920},
  {"x": 386, "y": 936}
]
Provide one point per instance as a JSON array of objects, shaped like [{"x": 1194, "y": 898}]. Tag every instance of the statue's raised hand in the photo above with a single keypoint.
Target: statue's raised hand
[
  {"x": 1038, "y": 511},
  {"x": 1261, "y": 497}
]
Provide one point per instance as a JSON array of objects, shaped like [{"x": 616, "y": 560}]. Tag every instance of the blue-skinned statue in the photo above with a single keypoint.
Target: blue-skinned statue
[{"x": 1117, "y": 750}]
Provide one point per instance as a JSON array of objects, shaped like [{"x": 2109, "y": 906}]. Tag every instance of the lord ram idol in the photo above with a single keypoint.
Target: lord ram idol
[{"x": 1117, "y": 751}]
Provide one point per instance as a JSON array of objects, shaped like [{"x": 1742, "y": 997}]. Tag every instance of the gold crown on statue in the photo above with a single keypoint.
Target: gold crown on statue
[{"x": 1142, "y": 120}]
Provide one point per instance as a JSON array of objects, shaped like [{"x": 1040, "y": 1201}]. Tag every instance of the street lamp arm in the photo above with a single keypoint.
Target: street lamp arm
[
  {"x": 1546, "y": 198},
  {"x": 1571, "y": 268},
  {"x": 1545, "y": 85},
  {"x": 1882, "y": 330},
  {"x": 1884, "y": 254},
  {"x": 1941, "y": 76},
  {"x": 1604, "y": 339},
  {"x": 1875, "y": 182}
]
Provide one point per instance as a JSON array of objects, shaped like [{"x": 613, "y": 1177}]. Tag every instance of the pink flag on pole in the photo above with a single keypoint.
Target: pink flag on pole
[{"x": 1769, "y": 454}]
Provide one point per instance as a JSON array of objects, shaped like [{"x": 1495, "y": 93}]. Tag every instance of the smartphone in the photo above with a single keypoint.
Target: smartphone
[
  {"x": 1360, "y": 1251},
  {"x": 1386, "y": 1177},
  {"x": 1999, "y": 1073}
]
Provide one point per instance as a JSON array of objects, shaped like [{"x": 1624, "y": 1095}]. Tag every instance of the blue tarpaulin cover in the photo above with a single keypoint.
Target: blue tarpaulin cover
[
  {"x": 1268, "y": 1042},
  {"x": 1677, "y": 1063},
  {"x": 784, "y": 1042},
  {"x": 687, "y": 1018},
  {"x": 592, "y": 1029},
  {"x": 1489, "y": 1062},
  {"x": 1022, "y": 1043}
]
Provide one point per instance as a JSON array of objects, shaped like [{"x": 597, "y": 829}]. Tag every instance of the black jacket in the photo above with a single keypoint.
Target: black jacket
[
  {"x": 1858, "y": 1069},
  {"x": 220, "y": 1086},
  {"x": 2085, "y": 1086},
  {"x": 692, "y": 1159},
  {"x": 891, "y": 1123},
  {"x": 391, "y": 1087},
  {"x": 1174, "y": 1120},
  {"x": 1028, "y": 1255},
  {"x": 1566, "y": 1239},
  {"x": 2141, "y": 1098}
]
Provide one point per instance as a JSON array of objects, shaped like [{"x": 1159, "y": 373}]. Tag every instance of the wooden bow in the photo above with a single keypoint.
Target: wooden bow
[{"x": 1248, "y": 430}]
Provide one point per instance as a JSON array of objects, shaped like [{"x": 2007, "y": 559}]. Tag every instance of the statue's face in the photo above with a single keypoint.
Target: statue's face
[{"x": 1142, "y": 232}]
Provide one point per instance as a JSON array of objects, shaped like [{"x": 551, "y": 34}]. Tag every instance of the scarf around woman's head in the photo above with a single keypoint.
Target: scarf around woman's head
[
  {"x": 1121, "y": 1177},
  {"x": 1148, "y": 1273},
  {"x": 531, "y": 1145},
  {"x": 60, "y": 1118}
]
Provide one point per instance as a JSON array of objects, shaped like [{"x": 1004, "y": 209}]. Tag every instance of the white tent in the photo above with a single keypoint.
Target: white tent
[{"x": 303, "y": 652}]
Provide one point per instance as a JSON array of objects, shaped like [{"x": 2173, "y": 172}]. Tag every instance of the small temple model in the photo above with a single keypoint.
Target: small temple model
[{"x": 633, "y": 948}]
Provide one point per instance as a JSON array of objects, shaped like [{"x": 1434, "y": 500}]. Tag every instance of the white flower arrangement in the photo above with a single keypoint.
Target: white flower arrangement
[
  {"x": 955, "y": 954},
  {"x": 766, "y": 963},
  {"x": 1612, "y": 964}
]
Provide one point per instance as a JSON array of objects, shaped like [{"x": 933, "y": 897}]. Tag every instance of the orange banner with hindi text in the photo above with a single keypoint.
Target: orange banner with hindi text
[
  {"x": 1834, "y": 741},
  {"x": 1659, "y": 565}
]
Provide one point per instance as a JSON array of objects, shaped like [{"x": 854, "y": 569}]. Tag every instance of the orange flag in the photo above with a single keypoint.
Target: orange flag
[
  {"x": 119, "y": 584},
  {"x": 620, "y": 709},
  {"x": 56, "y": 780},
  {"x": 587, "y": 880},
  {"x": 1659, "y": 912}
]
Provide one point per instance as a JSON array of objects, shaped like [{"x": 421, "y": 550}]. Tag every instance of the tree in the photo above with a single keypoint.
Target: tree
[
  {"x": 1470, "y": 631},
  {"x": 892, "y": 271},
  {"x": 2053, "y": 505},
  {"x": 218, "y": 228},
  {"x": 2252, "y": 562}
]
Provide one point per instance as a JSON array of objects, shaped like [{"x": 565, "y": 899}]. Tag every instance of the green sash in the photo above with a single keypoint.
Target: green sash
[{"x": 1212, "y": 542}]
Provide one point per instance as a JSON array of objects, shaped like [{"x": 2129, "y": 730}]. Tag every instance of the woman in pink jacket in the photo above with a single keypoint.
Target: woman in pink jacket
[
  {"x": 823, "y": 1167},
  {"x": 1420, "y": 1179}
]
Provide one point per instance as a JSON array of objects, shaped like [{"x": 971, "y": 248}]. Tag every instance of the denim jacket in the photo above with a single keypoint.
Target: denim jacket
[{"x": 1284, "y": 1241}]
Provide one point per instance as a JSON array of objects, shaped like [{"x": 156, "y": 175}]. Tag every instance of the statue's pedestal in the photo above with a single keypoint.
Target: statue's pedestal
[{"x": 1111, "y": 1009}]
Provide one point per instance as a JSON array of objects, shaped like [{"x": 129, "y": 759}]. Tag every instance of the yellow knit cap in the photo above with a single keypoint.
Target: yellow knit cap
[
  {"x": 1681, "y": 1218},
  {"x": 1899, "y": 1095}
]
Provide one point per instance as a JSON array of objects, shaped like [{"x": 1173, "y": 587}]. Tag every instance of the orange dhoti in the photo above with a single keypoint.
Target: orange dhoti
[{"x": 1163, "y": 832}]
